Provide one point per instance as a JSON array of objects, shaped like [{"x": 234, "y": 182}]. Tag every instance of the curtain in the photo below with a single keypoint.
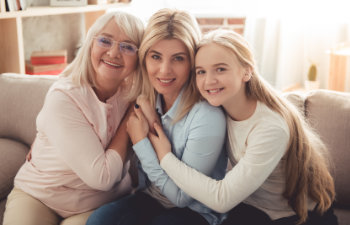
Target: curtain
[{"x": 286, "y": 44}]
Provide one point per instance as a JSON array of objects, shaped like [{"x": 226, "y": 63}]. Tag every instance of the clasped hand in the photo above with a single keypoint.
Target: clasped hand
[{"x": 144, "y": 122}]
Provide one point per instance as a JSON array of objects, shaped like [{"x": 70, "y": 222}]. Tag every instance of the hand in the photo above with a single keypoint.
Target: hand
[
  {"x": 160, "y": 142},
  {"x": 137, "y": 125},
  {"x": 148, "y": 111},
  {"x": 29, "y": 155}
]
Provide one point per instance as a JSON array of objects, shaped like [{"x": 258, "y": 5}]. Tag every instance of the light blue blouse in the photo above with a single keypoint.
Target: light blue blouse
[{"x": 198, "y": 140}]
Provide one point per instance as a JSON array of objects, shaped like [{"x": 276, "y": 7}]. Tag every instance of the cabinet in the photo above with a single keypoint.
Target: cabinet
[{"x": 11, "y": 31}]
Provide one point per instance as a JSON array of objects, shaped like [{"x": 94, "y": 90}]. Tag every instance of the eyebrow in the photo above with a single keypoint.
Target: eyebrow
[
  {"x": 215, "y": 65},
  {"x": 111, "y": 36},
  {"x": 176, "y": 54}
]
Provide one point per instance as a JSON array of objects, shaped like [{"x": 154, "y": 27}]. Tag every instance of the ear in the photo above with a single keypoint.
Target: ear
[{"x": 247, "y": 74}]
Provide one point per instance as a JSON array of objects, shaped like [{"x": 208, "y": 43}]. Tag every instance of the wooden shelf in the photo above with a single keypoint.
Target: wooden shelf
[
  {"x": 55, "y": 10},
  {"x": 11, "y": 38}
]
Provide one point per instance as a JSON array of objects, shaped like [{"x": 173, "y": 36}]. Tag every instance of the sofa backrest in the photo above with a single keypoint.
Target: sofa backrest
[
  {"x": 21, "y": 98},
  {"x": 328, "y": 112}
]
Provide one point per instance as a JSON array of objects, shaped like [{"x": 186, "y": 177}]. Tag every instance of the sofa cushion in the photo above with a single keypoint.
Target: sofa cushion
[
  {"x": 14, "y": 152},
  {"x": 22, "y": 97},
  {"x": 329, "y": 113}
]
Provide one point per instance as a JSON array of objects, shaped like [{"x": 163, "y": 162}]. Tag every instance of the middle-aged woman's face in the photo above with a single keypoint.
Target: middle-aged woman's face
[
  {"x": 168, "y": 67},
  {"x": 113, "y": 55}
]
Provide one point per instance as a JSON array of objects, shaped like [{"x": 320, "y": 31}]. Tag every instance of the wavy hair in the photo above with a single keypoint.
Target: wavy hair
[
  {"x": 307, "y": 169},
  {"x": 168, "y": 24},
  {"x": 81, "y": 70}
]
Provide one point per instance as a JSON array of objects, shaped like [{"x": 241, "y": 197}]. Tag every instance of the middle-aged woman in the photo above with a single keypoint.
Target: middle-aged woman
[
  {"x": 78, "y": 158},
  {"x": 195, "y": 129}
]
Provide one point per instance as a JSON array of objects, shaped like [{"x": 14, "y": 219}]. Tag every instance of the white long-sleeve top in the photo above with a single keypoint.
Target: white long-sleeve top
[
  {"x": 255, "y": 147},
  {"x": 72, "y": 170}
]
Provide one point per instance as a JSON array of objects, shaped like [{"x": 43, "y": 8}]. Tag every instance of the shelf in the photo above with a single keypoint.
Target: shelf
[
  {"x": 11, "y": 38},
  {"x": 56, "y": 10}
]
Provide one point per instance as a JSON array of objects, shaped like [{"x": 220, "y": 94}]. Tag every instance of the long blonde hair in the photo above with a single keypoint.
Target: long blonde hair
[
  {"x": 306, "y": 169},
  {"x": 81, "y": 70},
  {"x": 168, "y": 24}
]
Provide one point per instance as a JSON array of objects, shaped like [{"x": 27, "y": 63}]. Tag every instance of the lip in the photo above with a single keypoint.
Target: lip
[
  {"x": 166, "y": 82},
  {"x": 214, "y": 91},
  {"x": 112, "y": 64}
]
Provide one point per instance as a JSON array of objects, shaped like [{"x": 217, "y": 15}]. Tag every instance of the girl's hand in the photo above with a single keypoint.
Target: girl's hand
[
  {"x": 148, "y": 111},
  {"x": 160, "y": 142},
  {"x": 137, "y": 125}
]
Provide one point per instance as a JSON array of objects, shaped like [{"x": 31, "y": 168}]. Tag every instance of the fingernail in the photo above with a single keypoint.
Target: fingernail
[{"x": 136, "y": 106}]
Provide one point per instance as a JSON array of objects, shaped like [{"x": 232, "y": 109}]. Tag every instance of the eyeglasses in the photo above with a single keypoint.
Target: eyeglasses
[{"x": 108, "y": 43}]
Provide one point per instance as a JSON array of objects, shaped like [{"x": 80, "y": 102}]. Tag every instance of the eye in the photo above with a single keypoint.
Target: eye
[
  {"x": 199, "y": 72},
  {"x": 220, "y": 69},
  {"x": 155, "y": 57},
  {"x": 179, "y": 58},
  {"x": 104, "y": 41},
  {"x": 127, "y": 47}
]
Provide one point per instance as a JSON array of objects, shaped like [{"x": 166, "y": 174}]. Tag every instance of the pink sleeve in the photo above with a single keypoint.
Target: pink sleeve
[{"x": 74, "y": 138}]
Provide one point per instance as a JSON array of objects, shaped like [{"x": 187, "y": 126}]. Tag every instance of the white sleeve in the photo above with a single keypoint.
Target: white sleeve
[
  {"x": 266, "y": 147},
  {"x": 72, "y": 135}
]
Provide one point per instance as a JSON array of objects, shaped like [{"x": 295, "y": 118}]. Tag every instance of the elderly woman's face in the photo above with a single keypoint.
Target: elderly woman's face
[{"x": 113, "y": 56}]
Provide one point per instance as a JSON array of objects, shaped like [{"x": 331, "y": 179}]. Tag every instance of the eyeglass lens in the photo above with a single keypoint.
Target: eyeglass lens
[{"x": 124, "y": 47}]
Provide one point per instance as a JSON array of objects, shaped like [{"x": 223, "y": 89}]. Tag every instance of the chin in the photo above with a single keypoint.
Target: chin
[{"x": 214, "y": 103}]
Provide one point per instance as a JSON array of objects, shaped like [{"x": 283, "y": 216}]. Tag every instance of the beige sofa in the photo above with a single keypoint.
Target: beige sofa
[{"x": 22, "y": 96}]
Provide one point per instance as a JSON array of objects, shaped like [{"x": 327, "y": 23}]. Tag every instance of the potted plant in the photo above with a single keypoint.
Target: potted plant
[{"x": 312, "y": 83}]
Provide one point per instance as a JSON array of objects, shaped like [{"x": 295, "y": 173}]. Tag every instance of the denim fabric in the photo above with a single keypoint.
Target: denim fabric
[{"x": 142, "y": 209}]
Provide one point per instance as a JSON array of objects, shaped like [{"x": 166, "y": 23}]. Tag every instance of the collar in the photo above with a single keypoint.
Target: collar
[{"x": 172, "y": 111}]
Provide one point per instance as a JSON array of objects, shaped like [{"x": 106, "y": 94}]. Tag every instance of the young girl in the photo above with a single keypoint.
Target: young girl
[
  {"x": 167, "y": 61},
  {"x": 279, "y": 173},
  {"x": 78, "y": 158}
]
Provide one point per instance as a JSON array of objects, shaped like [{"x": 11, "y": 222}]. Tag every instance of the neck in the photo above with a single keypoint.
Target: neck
[
  {"x": 103, "y": 93},
  {"x": 240, "y": 108},
  {"x": 167, "y": 103}
]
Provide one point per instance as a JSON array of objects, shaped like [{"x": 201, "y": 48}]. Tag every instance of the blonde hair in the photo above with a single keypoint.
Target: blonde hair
[
  {"x": 168, "y": 24},
  {"x": 307, "y": 172},
  {"x": 81, "y": 70}
]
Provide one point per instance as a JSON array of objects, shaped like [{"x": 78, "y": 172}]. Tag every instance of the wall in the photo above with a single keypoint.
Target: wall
[
  {"x": 46, "y": 33},
  {"x": 234, "y": 23}
]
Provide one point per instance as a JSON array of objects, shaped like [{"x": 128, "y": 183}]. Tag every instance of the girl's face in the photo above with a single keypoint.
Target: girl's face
[
  {"x": 113, "y": 56},
  {"x": 168, "y": 67},
  {"x": 219, "y": 75}
]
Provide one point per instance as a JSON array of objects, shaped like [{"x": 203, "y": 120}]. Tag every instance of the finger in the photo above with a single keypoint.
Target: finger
[
  {"x": 152, "y": 137},
  {"x": 159, "y": 130},
  {"x": 139, "y": 112}
]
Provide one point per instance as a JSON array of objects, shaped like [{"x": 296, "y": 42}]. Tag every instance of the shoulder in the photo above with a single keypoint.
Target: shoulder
[
  {"x": 204, "y": 109},
  {"x": 204, "y": 114},
  {"x": 65, "y": 90},
  {"x": 270, "y": 123}
]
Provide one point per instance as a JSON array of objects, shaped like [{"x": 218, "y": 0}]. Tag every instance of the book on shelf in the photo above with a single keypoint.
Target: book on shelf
[
  {"x": 48, "y": 69},
  {"x": 48, "y": 57}
]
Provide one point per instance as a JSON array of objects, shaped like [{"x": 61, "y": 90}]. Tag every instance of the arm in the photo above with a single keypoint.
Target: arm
[
  {"x": 120, "y": 142},
  {"x": 246, "y": 176},
  {"x": 68, "y": 131},
  {"x": 202, "y": 150}
]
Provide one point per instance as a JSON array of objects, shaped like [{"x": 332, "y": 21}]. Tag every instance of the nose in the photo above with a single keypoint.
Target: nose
[
  {"x": 210, "y": 79},
  {"x": 165, "y": 67},
  {"x": 114, "y": 51}
]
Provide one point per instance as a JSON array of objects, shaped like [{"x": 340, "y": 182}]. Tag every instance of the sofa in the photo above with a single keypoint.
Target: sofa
[{"x": 22, "y": 96}]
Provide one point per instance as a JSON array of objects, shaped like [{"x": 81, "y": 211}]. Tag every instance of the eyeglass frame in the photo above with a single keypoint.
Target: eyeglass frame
[{"x": 120, "y": 45}]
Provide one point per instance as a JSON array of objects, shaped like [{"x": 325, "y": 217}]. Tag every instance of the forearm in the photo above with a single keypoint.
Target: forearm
[{"x": 158, "y": 176}]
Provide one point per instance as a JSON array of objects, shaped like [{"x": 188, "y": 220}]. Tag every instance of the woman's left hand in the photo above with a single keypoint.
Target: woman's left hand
[
  {"x": 137, "y": 125},
  {"x": 160, "y": 142}
]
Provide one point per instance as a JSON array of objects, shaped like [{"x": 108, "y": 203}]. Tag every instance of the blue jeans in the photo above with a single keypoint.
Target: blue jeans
[{"x": 142, "y": 209}]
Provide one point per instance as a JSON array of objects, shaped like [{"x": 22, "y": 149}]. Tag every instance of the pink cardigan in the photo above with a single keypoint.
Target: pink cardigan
[{"x": 71, "y": 171}]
